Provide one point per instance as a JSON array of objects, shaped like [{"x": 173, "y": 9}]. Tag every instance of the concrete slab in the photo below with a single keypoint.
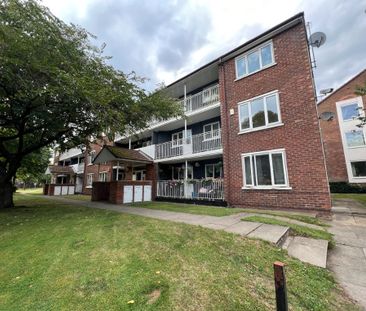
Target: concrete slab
[
  {"x": 340, "y": 209},
  {"x": 270, "y": 233},
  {"x": 309, "y": 250},
  {"x": 357, "y": 292},
  {"x": 243, "y": 228}
]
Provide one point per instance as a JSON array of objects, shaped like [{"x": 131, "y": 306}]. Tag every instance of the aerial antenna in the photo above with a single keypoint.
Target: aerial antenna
[{"x": 317, "y": 39}]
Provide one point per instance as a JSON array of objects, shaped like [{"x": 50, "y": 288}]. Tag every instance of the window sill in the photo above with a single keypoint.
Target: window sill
[
  {"x": 89, "y": 187},
  {"x": 267, "y": 188},
  {"x": 261, "y": 128},
  {"x": 356, "y": 147},
  {"x": 252, "y": 73}
]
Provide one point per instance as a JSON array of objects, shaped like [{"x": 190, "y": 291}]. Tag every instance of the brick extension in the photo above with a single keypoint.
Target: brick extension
[{"x": 332, "y": 140}]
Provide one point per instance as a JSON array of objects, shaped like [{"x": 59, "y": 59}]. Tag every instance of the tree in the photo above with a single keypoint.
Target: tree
[
  {"x": 33, "y": 166},
  {"x": 56, "y": 87},
  {"x": 361, "y": 91}
]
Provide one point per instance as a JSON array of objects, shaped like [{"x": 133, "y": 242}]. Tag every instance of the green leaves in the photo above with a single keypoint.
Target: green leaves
[{"x": 56, "y": 87}]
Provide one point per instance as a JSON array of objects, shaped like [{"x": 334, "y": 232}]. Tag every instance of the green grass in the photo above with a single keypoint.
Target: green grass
[
  {"x": 78, "y": 197},
  {"x": 360, "y": 197},
  {"x": 190, "y": 208},
  {"x": 295, "y": 229},
  {"x": 56, "y": 256}
]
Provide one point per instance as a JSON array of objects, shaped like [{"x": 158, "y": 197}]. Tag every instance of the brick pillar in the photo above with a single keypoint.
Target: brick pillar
[
  {"x": 116, "y": 192},
  {"x": 152, "y": 174}
]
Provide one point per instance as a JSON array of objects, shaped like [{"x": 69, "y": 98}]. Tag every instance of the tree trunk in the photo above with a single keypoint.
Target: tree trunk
[{"x": 6, "y": 195}]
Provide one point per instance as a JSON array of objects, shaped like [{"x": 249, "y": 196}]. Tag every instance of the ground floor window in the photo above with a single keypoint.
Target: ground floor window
[
  {"x": 265, "y": 169},
  {"x": 358, "y": 169},
  {"x": 139, "y": 175},
  {"x": 89, "y": 180},
  {"x": 213, "y": 170},
  {"x": 179, "y": 172},
  {"x": 118, "y": 174},
  {"x": 103, "y": 176}
]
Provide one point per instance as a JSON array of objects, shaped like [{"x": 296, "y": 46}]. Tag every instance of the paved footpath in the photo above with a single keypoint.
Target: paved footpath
[
  {"x": 348, "y": 259},
  {"x": 232, "y": 223}
]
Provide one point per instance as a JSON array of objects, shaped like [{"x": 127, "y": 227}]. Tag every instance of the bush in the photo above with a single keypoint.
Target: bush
[{"x": 344, "y": 187}]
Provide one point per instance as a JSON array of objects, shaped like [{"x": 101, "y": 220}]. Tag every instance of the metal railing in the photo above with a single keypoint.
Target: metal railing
[
  {"x": 202, "y": 99},
  {"x": 207, "y": 141},
  {"x": 194, "y": 189}
]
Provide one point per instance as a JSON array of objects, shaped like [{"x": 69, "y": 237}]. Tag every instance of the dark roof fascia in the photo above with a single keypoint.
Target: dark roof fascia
[{"x": 291, "y": 22}]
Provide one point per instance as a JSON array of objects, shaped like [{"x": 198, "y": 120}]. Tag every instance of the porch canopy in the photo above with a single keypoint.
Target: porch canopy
[{"x": 114, "y": 153}]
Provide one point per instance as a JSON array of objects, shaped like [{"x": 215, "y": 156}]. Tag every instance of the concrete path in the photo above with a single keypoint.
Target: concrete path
[{"x": 348, "y": 259}]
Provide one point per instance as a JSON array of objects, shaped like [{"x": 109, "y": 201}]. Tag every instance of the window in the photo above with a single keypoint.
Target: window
[
  {"x": 349, "y": 112},
  {"x": 91, "y": 157},
  {"x": 103, "y": 176},
  {"x": 358, "y": 168},
  {"x": 355, "y": 138},
  {"x": 89, "y": 180},
  {"x": 178, "y": 172},
  {"x": 259, "y": 112},
  {"x": 177, "y": 139},
  {"x": 139, "y": 175},
  {"x": 211, "y": 131},
  {"x": 213, "y": 170},
  {"x": 265, "y": 169},
  {"x": 255, "y": 60}
]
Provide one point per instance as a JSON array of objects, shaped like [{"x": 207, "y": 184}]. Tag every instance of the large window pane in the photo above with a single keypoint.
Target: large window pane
[
  {"x": 253, "y": 62},
  {"x": 272, "y": 110},
  {"x": 257, "y": 107},
  {"x": 278, "y": 169},
  {"x": 355, "y": 138},
  {"x": 209, "y": 171},
  {"x": 244, "y": 116},
  {"x": 266, "y": 53},
  {"x": 359, "y": 169},
  {"x": 248, "y": 171},
  {"x": 218, "y": 170},
  {"x": 263, "y": 170},
  {"x": 241, "y": 69},
  {"x": 349, "y": 112}
]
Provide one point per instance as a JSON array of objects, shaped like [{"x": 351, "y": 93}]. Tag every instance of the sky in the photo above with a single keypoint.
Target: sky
[{"x": 165, "y": 40}]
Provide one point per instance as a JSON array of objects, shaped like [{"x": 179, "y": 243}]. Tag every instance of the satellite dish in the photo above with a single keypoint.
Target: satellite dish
[
  {"x": 326, "y": 91},
  {"x": 317, "y": 39},
  {"x": 327, "y": 116}
]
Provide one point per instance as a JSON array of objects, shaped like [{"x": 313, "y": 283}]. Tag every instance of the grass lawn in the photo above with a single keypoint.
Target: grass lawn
[
  {"x": 78, "y": 197},
  {"x": 295, "y": 229},
  {"x": 190, "y": 208},
  {"x": 31, "y": 191},
  {"x": 360, "y": 197},
  {"x": 61, "y": 257}
]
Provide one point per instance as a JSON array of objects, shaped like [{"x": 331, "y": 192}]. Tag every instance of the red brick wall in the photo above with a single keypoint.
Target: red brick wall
[
  {"x": 332, "y": 140},
  {"x": 300, "y": 134}
]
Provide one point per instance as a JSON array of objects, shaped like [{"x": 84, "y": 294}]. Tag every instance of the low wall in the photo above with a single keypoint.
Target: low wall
[
  {"x": 58, "y": 189},
  {"x": 100, "y": 191}
]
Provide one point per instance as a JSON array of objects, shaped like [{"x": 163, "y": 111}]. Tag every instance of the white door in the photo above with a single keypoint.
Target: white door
[
  {"x": 147, "y": 193},
  {"x": 64, "y": 190},
  {"x": 127, "y": 194},
  {"x": 71, "y": 189},
  {"x": 138, "y": 194},
  {"x": 57, "y": 190}
]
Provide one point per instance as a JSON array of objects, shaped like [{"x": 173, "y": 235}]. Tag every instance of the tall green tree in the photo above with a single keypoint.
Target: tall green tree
[{"x": 57, "y": 87}]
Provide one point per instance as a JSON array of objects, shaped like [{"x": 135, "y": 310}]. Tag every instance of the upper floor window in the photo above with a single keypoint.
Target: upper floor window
[
  {"x": 355, "y": 138},
  {"x": 259, "y": 112},
  {"x": 103, "y": 176},
  {"x": 265, "y": 169},
  {"x": 91, "y": 157},
  {"x": 211, "y": 131},
  {"x": 254, "y": 60},
  {"x": 177, "y": 138},
  {"x": 349, "y": 112}
]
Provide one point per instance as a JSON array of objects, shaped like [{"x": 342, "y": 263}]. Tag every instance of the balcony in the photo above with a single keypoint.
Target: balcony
[
  {"x": 78, "y": 168},
  {"x": 207, "y": 97},
  {"x": 194, "y": 189},
  {"x": 208, "y": 141}
]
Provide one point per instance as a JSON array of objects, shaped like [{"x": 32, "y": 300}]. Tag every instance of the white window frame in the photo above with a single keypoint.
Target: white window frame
[
  {"x": 267, "y": 125},
  {"x": 91, "y": 157},
  {"x": 353, "y": 176},
  {"x": 355, "y": 130},
  {"x": 105, "y": 176},
  {"x": 253, "y": 168},
  {"x": 213, "y": 167},
  {"x": 211, "y": 131},
  {"x": 350, "y": 103},
  {"x": 245, "y": 57},
  {"x": 178, "y": 141},
  {"x": 89, "y": 180}
]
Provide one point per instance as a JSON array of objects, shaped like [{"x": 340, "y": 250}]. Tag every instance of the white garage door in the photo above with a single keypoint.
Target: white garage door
[
  {"x": 127, "y": 194},
  {"x": 138, "y": 194},
  {"x": 147, "y": 193}
]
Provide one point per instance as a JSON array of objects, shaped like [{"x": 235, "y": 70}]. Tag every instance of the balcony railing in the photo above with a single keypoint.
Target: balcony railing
[
  {"x": 195, "y": 189},
  {"x": 78, "y": 168},
  {"x": 207, "y": 141},
  {"x": 202, "y": 99}
]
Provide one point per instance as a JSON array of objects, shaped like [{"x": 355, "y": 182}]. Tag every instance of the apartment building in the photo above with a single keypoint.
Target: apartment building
[
  {"x": 344, "y": 141},
  {"x": 250, "y": 136}
]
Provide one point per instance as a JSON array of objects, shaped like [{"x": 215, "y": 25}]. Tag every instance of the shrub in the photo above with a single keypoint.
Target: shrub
[{"x": 344, "y": 187}]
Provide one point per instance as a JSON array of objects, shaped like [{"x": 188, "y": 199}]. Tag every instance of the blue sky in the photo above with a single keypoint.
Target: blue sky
[{"x": 165, "y": 40}]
